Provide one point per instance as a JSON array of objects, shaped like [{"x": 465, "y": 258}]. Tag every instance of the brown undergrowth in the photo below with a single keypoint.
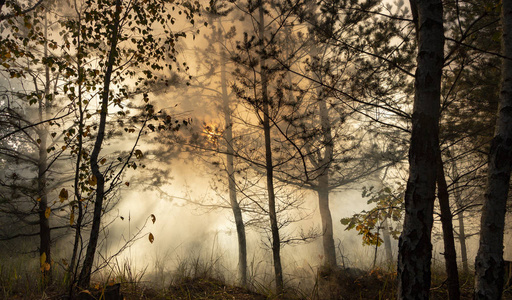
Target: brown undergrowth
[{"x": 330, "y": 284}]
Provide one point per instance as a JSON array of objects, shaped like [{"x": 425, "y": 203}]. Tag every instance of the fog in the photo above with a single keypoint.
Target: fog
[{"x": 147, "y": 143}]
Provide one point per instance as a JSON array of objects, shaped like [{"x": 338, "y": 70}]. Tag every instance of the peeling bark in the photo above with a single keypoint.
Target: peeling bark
[
  {"x": 415, "y": 248},
  {"x": 489, "y": 264}
]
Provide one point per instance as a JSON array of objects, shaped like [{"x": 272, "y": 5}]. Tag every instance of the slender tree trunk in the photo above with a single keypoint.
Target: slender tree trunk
[
  {"x": 386, "y": 236},
  {"x": 274, "y": 228},
  {"x": 450, "y": 256},
  {"x": 85, "y": 274},
  {"x": 324, "y": 167},
  {"x": 77, "y": 245},
  {"x": 489, "y": 263},
  {"x": 460, "y": 219},
  {"x": 44, "y": 210},
  {"x": 44, "y": 216},
  {"x": 235, "y": 206},
  {"x": 323, "y": 182},
  {"x": 415, "y": 247},
  {"x": 462, "y": 240},
  {"x": 327, "y": 226}
]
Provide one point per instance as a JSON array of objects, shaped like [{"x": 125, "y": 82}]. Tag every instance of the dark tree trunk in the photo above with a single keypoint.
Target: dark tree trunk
[
  {"x": 415, "y": 248},
  {"x": 77, "y": 244},
  {"x": 274, "y": 228},
  {"x": 489, "y": 265},
  {"x": 450, "y": 255},
  {"x": 462, "y": 240},
  {"x": 85, "y": 273},
  {"x": 235, "y": 206},
  {"x": 460, "y": 219}
]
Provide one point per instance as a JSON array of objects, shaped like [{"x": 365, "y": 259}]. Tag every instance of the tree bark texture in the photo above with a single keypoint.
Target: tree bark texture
[
  {"x": 327, "y": 227},
  {"x": 235, "y": 206},
  {"x": 415, "y": 248},
  {"x": 85, "y": 273},
  {"x": 386, "y": 236},
  {"x": 323, "y": 183},
  {"x": 44, "y": 212},
  {"x": 274, "y": 228},
  {"x": 489, "y": 265},
  {"x": 450, "y": 255}
]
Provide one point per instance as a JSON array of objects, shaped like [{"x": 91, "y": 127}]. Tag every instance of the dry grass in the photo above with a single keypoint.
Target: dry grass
[{"x": 196, "y": 278}]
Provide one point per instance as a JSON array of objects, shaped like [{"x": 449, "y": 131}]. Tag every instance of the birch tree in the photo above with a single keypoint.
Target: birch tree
[
  {"x": 415, "y": 247},
  {"x": 489, "y": 265}
]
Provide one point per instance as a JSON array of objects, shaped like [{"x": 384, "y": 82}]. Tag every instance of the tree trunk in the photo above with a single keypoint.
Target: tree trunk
[
  {"x": 415, "y": 248},
  {"x": 327, "y": 227},
  {"x": 323, "y": 183},
  {"x": 235, "y": 206},
  {"x": 44, "y": 210},
  {"x": 324, "y": 167},
  {"x": 274, "y": 228},
  {"x": 489, "y": 263},
  {"x": 77, "y": 244},
  {"x": 462, "y": 240},
  {"x": 85, "y": 273},
  {"x": 386, "y": 236},
  {"x": 42, "y": 165},
  {"x": 460, "y": 219},
  {"x": 450, "y": 256}
]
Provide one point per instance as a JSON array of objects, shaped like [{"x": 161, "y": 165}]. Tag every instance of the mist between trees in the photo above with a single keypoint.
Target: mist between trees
[{"x": 294, "y": 149}]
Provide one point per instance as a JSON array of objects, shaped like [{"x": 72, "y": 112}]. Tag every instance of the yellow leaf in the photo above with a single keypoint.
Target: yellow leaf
[
  {"x": 47, "y": 267},
  {"x": 47, "y": 212},
  {"x": 63, "y": 195},
  {"x": 153, "y": 218},
  {"x": 43, "y": 259},
  {"x": 72, "y": 218},
  {"x": 93, "y": 180},
  {"x": 38, "y": 199},
  {"x": 151, "y": 238},
  {"x": 103, "y": 161}
]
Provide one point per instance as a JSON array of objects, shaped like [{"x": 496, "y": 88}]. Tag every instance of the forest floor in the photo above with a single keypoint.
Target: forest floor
[{"x": 330, "y": 285}]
